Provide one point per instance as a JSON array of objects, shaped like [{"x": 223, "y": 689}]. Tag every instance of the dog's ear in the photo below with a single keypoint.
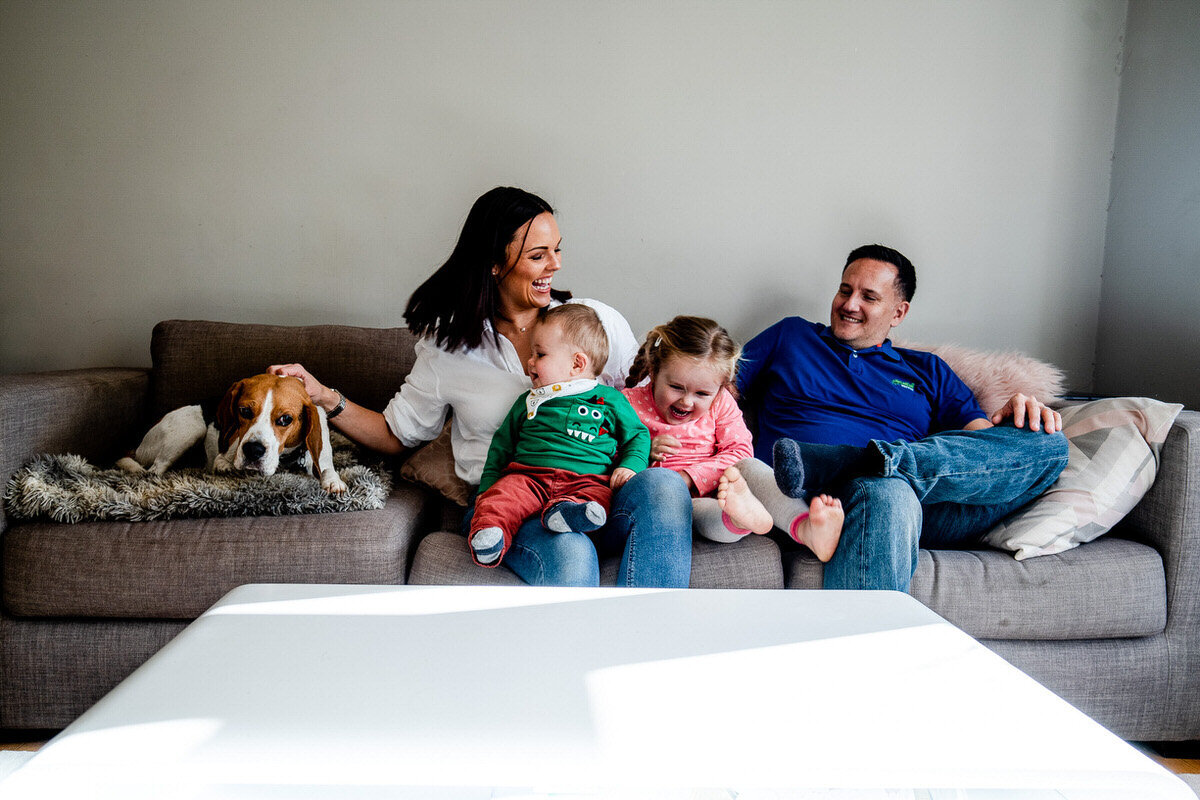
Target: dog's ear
[
  {"x": 227, "y": 415},
  {"x": 314, "y": 440}
]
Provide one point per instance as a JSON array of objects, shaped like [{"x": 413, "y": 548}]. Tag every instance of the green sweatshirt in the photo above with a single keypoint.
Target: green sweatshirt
[{"x": 580, "y": 426}]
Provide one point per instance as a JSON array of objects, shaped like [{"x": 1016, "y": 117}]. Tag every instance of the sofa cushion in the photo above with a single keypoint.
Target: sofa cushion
[
  {"x": 1108, "y": 589},
  {"x": 196, "y": 361},
  {"x": 1115, "y": 445},
  {"x": 95, "y": 413},
  {"x": 752, "y": 563},
  {"x": 432, "y": 465},
  {"x": 442, "y": 559},
  {"x": 177, "y": 569}
]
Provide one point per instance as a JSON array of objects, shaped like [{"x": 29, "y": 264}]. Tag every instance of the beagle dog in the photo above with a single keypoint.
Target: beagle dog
[{"x": 260, "y": 422}]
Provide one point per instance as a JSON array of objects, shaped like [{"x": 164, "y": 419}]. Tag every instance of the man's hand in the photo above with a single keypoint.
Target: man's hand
[
  {"x": 1023, "y": 407},
  {"x": 662, "y": 446},
  {"x": 619, "y": 477}
]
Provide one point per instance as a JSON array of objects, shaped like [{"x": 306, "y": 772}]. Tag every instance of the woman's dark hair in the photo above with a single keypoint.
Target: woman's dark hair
[
  {"x": 453, "y": 303},
  {"x": 906, "y": 273}
]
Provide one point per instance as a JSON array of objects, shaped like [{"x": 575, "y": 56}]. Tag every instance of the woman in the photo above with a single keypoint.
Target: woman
[{"x": 474, "y": 317}]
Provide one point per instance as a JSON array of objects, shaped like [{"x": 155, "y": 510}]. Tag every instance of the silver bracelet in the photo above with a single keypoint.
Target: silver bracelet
[{"x": 339, "y": 408}]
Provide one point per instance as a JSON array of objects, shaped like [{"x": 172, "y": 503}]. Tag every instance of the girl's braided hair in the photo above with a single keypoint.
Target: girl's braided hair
[{"x": 697, "y": 338}]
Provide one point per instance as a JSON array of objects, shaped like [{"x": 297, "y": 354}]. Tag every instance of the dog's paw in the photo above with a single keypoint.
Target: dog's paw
[
  {"x": 222, "y": 463},
  {"x": 332, "y": 483},
  {"x": 130, "y": 465}
]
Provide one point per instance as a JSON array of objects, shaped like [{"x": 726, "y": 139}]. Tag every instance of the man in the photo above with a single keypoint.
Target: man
[{"x": 893, "y": 433}]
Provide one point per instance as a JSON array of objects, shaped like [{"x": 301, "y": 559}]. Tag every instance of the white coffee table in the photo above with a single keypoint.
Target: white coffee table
[{"x": 290, "y": 691}]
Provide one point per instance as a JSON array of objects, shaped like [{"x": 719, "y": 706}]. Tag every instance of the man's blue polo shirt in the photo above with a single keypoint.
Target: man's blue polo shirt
[{"x": 806, "y": 385}]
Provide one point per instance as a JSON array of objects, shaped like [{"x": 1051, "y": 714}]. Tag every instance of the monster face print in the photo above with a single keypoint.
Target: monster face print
[{"x": 585, "y": 420}]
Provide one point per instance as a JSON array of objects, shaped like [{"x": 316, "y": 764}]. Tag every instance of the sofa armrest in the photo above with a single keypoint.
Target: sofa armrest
[
  {"x": 1168, "y": 518},
  {"x": 94, "y": 413}
]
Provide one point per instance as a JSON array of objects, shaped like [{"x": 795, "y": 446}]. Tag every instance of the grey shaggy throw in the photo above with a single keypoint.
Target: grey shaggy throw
[{"x": 66, "y": 488}]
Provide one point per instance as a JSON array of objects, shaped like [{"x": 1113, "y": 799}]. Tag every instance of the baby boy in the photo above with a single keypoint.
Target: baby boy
[{"x": 565, "y": 446}]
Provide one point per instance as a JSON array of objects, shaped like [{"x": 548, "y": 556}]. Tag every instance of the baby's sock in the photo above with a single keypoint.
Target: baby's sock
[
  {"x": 487, "y": 544},
  {"x": 578, "y": 517}
]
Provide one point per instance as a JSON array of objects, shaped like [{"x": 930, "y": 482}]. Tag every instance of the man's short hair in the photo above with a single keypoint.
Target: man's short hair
[
  {"x": 583, "y": 330},
  {"x": 906, "y": 273}
]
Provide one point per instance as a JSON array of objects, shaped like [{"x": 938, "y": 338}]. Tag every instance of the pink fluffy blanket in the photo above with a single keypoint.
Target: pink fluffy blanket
[{"x": 995, "y": 376}]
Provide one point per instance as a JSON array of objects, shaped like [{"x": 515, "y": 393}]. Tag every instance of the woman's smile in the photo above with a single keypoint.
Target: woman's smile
[{"x": 533, "y": 256}]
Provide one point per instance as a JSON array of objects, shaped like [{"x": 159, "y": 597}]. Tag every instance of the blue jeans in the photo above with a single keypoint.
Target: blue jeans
[
  {"x": 944, "y": 491},
  {"x": 649, "y": 523}
]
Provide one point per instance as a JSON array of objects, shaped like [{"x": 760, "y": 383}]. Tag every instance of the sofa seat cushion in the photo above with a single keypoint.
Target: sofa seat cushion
[
  {"x": 177, "y": 569},
  {"x": 1110, "y": 588},
  {"x": 752, "y": 563}
]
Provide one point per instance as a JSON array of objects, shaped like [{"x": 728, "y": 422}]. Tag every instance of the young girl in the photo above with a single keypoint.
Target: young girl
[{"x": 696, "y": 428}]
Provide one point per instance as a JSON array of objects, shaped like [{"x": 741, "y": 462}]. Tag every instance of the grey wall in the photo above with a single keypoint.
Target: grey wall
[
  {"x": 1149, "y": 332},
  {"x": 303, "y": 162}
]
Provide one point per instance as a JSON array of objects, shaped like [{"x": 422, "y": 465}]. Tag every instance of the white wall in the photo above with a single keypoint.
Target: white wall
[
  {"x": 1149, "y": 335},
  {"x": 301, "y": 162}
]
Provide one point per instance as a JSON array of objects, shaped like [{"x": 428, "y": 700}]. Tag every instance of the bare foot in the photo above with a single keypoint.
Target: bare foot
[
  {"x": 743, "y": 508},
  {"x": 821, "y": 530}
]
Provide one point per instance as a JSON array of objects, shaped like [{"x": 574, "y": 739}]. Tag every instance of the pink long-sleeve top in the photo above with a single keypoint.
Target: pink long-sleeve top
[{"x": 708, "y": 445}]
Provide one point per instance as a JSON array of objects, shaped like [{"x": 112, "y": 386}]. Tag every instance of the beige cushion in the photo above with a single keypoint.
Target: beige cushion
[
  {"x": 1114, "y": 445},
  {"x": 432, "y": 465}
]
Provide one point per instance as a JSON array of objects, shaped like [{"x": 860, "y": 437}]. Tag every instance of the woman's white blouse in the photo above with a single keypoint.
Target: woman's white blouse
[{"x": 480, "y": 385}]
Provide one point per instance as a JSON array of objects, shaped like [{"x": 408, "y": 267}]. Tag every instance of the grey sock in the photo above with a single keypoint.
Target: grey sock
[
  {"x": 709, "y": 520},
  {"x": 762, "y": 482},
  {"x": 789, "y": 467},
  {"x": 578, "y": 517},
  {"x": 487, "y": 544}
]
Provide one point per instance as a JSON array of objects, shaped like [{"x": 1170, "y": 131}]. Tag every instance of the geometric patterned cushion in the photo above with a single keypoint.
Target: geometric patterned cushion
[{"x": 1113, "y": 450}]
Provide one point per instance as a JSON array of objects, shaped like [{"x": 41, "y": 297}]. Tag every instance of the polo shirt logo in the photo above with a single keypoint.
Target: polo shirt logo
[{"x": 904, "y": 384}]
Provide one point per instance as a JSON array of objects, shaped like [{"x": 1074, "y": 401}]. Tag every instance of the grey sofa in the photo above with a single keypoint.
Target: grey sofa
[{"x": 1112, "y": 626}]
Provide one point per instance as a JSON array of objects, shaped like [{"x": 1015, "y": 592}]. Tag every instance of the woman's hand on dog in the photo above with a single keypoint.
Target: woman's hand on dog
[{"x": 317, "y": 391}]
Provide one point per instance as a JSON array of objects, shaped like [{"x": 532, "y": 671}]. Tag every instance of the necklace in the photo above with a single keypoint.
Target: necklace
[
  {"x": 518, "y": 328},
  {"x": 513, "y": 324}
]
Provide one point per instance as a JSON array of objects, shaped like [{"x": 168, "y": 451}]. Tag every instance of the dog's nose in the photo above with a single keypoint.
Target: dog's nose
[{"x": 253, "y": 451}]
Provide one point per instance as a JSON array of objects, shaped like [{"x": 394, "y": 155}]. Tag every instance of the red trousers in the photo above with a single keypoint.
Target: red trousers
[{"x": 523, "y": 492}]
